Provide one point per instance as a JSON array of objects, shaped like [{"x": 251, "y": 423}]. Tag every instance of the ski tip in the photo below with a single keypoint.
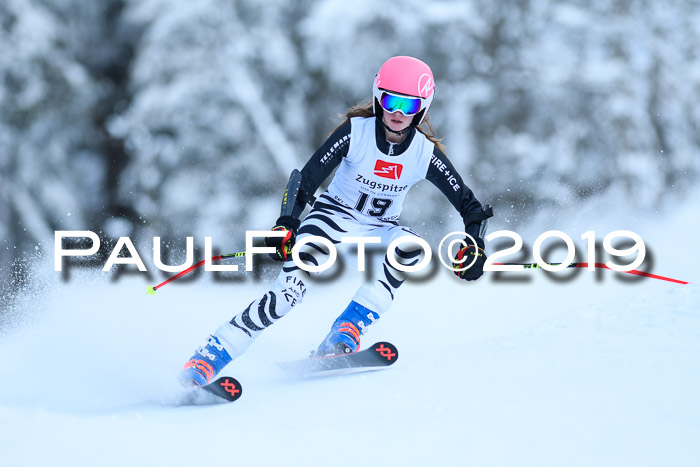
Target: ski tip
[
  {"x": 386, "y": 352},
  {"x": 226, "y": 387},
  {"x": 151, "y": 290}
]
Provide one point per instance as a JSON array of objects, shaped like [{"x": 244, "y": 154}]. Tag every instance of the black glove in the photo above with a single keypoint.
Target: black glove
[
  {"x": 468, "y": 253},
  {"x": 283, "y": 245}
]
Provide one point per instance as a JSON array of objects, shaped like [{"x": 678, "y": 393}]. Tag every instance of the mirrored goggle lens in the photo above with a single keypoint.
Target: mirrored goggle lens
[{"x": 405, "y": 105}]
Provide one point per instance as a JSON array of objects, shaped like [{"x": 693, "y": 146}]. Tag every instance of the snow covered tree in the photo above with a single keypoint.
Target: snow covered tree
[
  {"x": 47, "y": 165},
  {"x": 218, "y": 97},
  {"x": 185, "y": 118},
  {"x": 541, "y": 103},
  {"x": 53, "y": 163}
]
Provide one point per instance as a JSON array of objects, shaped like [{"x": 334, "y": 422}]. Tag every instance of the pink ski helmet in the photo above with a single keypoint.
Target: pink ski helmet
[{"x": 405, "y": 76}]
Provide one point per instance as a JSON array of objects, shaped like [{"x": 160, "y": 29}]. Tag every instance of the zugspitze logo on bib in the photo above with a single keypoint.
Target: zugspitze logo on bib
[{"x": 388, "y": 170}]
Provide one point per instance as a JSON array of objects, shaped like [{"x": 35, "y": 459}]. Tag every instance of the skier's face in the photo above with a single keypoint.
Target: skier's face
[{"x": 396, "y": 120}]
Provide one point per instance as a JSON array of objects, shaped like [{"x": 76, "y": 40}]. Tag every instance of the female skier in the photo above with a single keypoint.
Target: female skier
[{"x": 380, "y": 152}]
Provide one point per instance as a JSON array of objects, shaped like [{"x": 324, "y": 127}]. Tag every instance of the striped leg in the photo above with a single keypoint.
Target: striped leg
[
  {"x": 378, "y": 294},
  {"x": 374, "y": 297},
  {"x": 328, "y": 219},
  {"x": 332, "y": 221}
]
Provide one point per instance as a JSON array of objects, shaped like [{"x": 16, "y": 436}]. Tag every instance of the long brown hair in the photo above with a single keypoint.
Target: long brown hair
[{"x": 366, "y": 110}]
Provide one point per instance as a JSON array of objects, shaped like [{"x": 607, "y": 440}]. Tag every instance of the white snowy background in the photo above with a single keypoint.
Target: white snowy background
[{"x": 173, "y": 118}]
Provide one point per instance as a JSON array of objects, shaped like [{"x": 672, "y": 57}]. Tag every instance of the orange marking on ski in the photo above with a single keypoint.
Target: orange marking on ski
[{"x": 385, "y": 352}]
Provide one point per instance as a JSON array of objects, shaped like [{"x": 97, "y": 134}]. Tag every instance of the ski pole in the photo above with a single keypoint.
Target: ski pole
[
  {"x": 289, "y": 203},
  {"x": 152, "y": 289},
  {"x": 597, "y": 265}
]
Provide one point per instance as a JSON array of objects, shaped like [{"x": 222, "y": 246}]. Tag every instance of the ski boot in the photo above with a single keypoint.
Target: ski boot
[
  {"x": 346, "y": 331},
  {"x": 206, "y": 363}
]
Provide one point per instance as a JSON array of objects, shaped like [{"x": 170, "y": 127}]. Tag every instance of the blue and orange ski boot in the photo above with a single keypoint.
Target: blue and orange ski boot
[
  {"x": 346, "y": 330},
  {"x": 205, "y": 364}
]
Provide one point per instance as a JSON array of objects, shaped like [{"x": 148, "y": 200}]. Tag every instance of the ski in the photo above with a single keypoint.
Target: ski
[
  {"x": 380, "y": 355},
  {"x": 224, "y": 389}
]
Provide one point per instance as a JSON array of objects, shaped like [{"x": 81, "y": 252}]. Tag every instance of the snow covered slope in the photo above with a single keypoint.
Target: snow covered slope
[{"x": 591, "y": 371}]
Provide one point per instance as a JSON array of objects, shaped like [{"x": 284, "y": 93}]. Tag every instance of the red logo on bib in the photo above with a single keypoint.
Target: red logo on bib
[{"x": 388, "y": 170}]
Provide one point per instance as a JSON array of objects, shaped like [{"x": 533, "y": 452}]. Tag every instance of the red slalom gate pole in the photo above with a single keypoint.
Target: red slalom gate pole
[
  {"x": 152, "y": 289},
  {"x": 597, "y": 265}
]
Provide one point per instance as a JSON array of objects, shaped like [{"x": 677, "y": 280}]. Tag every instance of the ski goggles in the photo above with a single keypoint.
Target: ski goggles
[{"x": 406, "y": 105}]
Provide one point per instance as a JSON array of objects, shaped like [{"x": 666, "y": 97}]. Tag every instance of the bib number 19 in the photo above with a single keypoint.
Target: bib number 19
[{"x": 378, "y": 206}]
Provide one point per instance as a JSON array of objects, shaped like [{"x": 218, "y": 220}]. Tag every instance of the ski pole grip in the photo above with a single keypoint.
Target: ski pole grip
[
  {"x": 488, "y": 212},
  {"x": 289, "y": 200}
]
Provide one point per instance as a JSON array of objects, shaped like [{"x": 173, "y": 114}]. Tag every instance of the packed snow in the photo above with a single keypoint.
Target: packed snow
[{"x": 594, "y": 370}]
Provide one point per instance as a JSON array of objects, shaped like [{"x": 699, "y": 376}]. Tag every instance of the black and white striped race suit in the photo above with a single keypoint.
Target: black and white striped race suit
[{"x": 364, "y": 199}]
